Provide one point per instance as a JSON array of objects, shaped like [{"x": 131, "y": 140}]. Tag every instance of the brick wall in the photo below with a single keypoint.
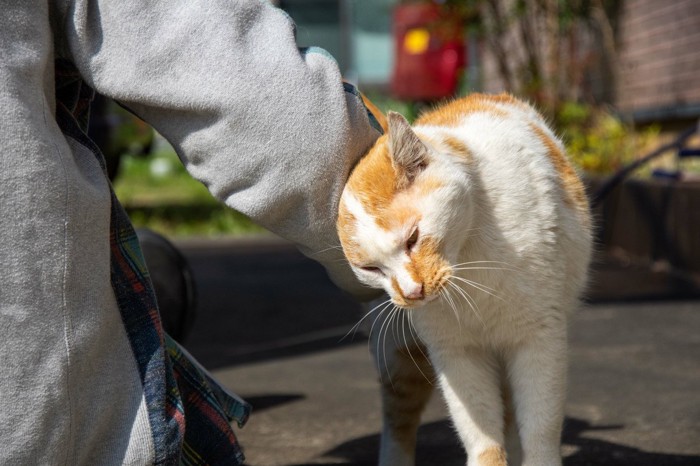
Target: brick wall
[
  {"x": 659, "y": 58},
  {"x": 657, "y": 66}
]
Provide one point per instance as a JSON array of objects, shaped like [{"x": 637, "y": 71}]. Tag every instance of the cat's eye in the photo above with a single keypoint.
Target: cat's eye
[
  {"x": 412, "y": 240},
  {"x": 372, "y": 269}
]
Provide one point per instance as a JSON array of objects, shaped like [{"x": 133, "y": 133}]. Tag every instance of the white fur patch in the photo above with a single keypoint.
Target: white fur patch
[{"x": 384, "y": 248}]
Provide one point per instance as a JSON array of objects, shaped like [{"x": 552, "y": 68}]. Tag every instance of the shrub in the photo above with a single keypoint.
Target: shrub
[{"x": 600, "y": 142}]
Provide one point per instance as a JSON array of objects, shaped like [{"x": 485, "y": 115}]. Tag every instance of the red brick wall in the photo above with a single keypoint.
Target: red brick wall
[
  {"x": 659, "y": 55},
  {"x": 658, "y": 61}
]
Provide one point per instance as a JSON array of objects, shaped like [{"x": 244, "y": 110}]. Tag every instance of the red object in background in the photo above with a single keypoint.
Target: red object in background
[{"x": 430, "y": 52}]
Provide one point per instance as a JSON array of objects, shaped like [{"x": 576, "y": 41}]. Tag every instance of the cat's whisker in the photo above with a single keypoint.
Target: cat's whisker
[
  {"x": 483, "y": 262},
  {"x": 472, "y": 282},
  {"x": 405, "y": 317},
  {"x": 445, "y": 295},
  {"x": 394, "y": 324},
  {"x": 354, "y": 328},
  {"x": 470, "y": 301},
  {"x": 336, "y": 247},
  {"x": 379, "y": 335},
  {"x": 484, "y": 268},
  {"x": 505, "y": 265},
  {"x": 412, "y": 330},
  {"x": 452, "y": 304},
  {"x": 378, "y": 316},
  {"x": 395, "y": 328},
  {"x": 385, "y": 326},
  {"x": 455, "y": 308},
  {"x": 480, "y": 287}
]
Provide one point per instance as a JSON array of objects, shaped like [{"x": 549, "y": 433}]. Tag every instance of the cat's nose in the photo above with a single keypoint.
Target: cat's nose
[{"x": 416, "y": 292}]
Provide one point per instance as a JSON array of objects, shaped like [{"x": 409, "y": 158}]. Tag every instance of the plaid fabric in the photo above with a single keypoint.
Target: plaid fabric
[
  {"x": 209, "y": 409},
  {"x": 189, "y": 413}
]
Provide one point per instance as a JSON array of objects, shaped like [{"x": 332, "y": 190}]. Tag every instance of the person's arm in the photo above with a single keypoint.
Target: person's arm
[{"x": 268, "y": 128}]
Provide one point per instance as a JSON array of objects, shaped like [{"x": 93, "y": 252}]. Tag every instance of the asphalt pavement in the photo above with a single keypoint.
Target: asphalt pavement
[{"x": 270, "y": 326}]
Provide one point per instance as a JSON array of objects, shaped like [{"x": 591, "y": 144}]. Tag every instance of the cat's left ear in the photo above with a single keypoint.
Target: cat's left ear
[{"x": 408, "y": 153}]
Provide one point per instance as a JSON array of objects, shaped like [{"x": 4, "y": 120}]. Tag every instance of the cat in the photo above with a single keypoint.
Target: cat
[{"x": 478, "y": 228}]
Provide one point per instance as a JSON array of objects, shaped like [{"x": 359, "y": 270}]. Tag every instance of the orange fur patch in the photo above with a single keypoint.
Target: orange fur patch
[
  {"x": 570, "y": 182},
  {"x": 453, "y": 113},
  {"x": 428, "y": 266},
  {"x": 505, "y": 98},
  {"x": 377, "y": 185},
  {"x": 428, "y": 185},
  {"x": 400, "y": 299},
  {"x": 374, "y": 179},
  {"x": 494, "y": 456},
  {"x": 457, "y": 147},
  {"x": 400, "y": 214}
]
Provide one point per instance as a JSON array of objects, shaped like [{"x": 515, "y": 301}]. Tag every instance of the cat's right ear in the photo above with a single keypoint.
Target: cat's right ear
[{"x": 408, "y": 153}]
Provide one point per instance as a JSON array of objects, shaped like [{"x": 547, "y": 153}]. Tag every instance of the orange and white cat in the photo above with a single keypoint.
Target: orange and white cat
[{"x": 478, "y": 228}]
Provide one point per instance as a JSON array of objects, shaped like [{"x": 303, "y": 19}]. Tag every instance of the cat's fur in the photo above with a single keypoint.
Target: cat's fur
[{"x": 478, "y": 228}]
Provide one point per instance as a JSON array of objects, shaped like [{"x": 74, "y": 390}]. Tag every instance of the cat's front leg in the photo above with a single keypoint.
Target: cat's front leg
[
  {"x": 470, "y": 381},
  {"x": 537, "y": 372},
  {"x": 406, "y": 378}
]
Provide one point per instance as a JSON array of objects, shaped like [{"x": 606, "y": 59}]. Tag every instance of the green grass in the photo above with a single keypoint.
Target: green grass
[{"x": 159, "y": 194}]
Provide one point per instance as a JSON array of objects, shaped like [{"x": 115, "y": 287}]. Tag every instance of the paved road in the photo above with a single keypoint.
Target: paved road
[{"x": 270, "y": 325}]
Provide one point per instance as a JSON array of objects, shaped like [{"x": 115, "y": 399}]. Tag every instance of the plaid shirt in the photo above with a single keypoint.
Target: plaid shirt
[{"x": 189, "y": 412}]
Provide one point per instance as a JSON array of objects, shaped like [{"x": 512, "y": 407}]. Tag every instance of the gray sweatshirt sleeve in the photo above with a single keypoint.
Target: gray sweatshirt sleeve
[{"x": 267, "y": 127}]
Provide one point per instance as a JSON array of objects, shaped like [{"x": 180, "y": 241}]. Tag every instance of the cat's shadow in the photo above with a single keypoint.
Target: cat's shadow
[{"x": 435, "y": 448}]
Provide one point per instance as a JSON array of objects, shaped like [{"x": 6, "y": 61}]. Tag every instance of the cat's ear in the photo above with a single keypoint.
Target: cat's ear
[{"x": 408, "y": 153}]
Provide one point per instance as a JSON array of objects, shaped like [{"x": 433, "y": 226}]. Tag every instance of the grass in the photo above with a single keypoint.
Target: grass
[{"x": 159, "y": 194}]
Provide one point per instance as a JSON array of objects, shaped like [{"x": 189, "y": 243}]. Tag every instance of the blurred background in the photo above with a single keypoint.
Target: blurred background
[{"x": 617, "y": 79}]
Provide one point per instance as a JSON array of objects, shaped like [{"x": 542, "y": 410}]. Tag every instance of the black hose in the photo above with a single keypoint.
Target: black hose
[{"x": 615, "y": 179}]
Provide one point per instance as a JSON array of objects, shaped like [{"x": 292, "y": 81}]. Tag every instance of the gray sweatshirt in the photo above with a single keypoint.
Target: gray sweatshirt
[{"x": 268, "y": 128}]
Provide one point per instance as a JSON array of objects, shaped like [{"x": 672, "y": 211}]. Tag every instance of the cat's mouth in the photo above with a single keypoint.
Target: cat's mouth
[
  {"x": 433, "y": 290},
  {"x": 407, "y": 303}
]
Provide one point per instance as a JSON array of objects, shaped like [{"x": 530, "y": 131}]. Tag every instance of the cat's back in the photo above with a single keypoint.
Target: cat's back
[
  {"x": 515, "y": 148},
  {"x": 495, "y": 106},
  {"x": 533, "y": 210}
]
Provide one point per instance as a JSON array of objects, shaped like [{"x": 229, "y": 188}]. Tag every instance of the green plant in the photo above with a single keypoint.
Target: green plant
[
  {"x": 598, "y": 141},
  {"x": 158, "y": 193}
]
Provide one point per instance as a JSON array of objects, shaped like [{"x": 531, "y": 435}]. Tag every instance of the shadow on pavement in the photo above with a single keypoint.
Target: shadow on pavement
[
  {"x": 592, "y": 451},
  {"x": 263, "y": 300},
  {"x": 263, "y": 402},
  {"x": 434, "y": 447}
]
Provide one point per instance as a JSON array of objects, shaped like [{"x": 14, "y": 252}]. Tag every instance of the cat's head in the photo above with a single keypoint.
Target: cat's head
[{"x": 404, "y": 211}]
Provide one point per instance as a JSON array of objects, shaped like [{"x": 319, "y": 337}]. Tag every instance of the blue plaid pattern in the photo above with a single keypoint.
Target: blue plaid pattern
[{"x": 190, "y": 414}]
